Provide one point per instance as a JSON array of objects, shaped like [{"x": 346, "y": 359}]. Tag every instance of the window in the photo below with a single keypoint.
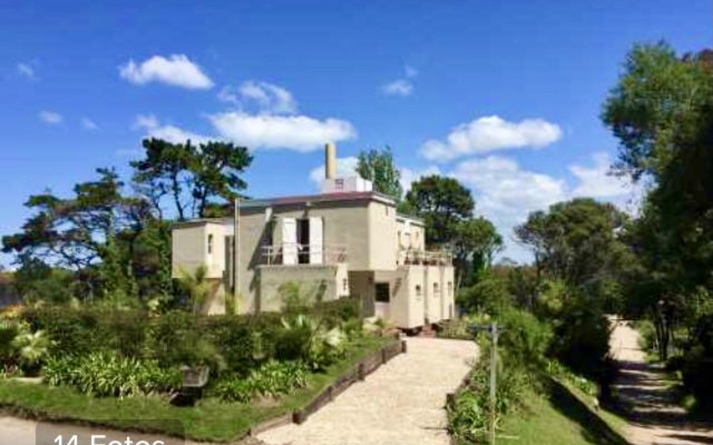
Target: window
[
  {"x": 345, "y": 285},
  {"x": 210, "y": 244},
  {"x": 387, "y": 210},
  {"x": 450, "y": 288},
  {"x": 382, "y": 292},
  {"x": 435, "y": 288},
  {"x": 418, "y": 290}
]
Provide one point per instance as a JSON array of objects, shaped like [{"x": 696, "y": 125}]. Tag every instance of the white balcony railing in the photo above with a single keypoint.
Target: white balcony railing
[
  {"x": 425, "y": 257},
  {"x": 303, "y": 254}
]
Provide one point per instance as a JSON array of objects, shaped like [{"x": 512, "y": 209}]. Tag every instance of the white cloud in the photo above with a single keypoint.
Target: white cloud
[
  {"x": 400, "y": 87},
  {"x": 300, "y": 133},
  {"x": 597, "y": 181},
  {"x": 50, "y": 117},
  {"x": 88, "y": 124},
  {"x": 269, "y": 98},
  {"x": 506, "y": 194},
  {"x": 491, "y": 133},
  {"x": 345, "y": 167},
  {"x": 176, "y": 70},
  {"x": 169, "y": 133},
  {"x": 408, "y": 176},
  {"x": 26, "y": 70}
]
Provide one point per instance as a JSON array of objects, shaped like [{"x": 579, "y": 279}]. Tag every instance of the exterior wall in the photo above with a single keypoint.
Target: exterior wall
[
  {"x": 189, "y": 247},
  {"x": 411, "y": 234},
  {"x": 313, "y": 280},
  {"x": 345, "y": 224},
  {"x": 411, "y": 314},
  {"x": 381, "y": 231},
  {"x": 448, "y": 306},
  {"x": 361, "y": 285},
  {"x": 433, "y": 304}
]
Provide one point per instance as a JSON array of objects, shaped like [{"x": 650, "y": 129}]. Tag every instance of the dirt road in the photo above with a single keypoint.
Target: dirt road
[{"x": 648, "y": 398}]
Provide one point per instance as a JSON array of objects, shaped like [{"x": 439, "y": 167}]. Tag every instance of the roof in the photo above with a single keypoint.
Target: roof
[
  {"x": 325, "y": 197},
  {"x": 411, "y": 218}
]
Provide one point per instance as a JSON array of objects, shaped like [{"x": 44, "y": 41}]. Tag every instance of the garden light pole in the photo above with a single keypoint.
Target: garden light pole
[{"x": 494, "y": 331}]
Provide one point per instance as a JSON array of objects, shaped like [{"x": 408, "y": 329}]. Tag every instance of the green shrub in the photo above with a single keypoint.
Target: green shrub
[
  {"x": 109, "y": 375},
  {"x": 31, "y": 350},
  {"x": 273, "y": 379}
]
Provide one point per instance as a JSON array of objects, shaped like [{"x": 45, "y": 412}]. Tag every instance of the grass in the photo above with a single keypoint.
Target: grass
[
  {"x": 211, "y": 420},
  {"x": 560, "y": 415}
]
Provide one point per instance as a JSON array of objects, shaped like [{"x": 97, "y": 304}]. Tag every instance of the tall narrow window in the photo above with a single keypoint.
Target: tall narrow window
[
  {"x": 210, "y": 244},
  {"x": 435, "y": 288}
]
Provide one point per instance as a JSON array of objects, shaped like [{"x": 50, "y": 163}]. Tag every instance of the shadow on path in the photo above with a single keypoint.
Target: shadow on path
[{"x": 647, "y": 397}]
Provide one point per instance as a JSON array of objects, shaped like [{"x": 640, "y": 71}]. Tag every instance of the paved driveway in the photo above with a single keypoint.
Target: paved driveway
[{"x": 402, "y": 403}]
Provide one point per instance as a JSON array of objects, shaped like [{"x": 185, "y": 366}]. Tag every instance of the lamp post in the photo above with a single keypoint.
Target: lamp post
[{"x": 494, "y": 331}]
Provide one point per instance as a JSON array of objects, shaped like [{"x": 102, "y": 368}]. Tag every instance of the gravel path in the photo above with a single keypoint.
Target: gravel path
[
  {"x": 402, "y": 403},
  {"x": 646, "y": 395}
]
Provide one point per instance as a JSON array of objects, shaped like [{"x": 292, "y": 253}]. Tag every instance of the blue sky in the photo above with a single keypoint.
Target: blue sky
[{"x": 503, "y": 95}]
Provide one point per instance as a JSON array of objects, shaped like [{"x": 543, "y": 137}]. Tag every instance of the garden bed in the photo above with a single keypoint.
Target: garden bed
[{"x": 211, "y": 420}]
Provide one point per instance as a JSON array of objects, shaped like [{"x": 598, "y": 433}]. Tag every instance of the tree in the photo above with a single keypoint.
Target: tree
[
  {"x": 656, "y": 97},
  {"x": 378, "y": 166},
  {"x": 474, "y": 244},
  {"x": 443, "y": 203},
  {"x": 575, "y": 241},
  {"x": 80, "y": 232},
  {"x": 191, "y": 177}
]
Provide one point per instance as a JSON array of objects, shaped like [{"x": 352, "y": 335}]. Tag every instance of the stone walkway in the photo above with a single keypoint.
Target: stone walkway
[
  {"x": 646, "y": 396},
  {"x": 402, "y": 403}
]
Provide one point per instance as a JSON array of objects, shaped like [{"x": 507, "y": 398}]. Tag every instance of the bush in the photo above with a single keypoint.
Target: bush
[
  {"x": 489, "y": 296},
  {"x": 109, "y": 375},
  {"x": 272, "y": 379}
]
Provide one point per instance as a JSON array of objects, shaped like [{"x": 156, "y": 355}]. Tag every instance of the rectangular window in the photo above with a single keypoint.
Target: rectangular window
[{"x": 382, "y": 292}]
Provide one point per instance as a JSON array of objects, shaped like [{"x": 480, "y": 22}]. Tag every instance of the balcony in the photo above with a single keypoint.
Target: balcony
[
  {"x": 425, "y": 257},
  {"x": 298, "y": 254}
]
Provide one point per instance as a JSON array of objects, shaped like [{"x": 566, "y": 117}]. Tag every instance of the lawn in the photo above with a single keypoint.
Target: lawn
[
  {"x": 560, "y": 416},
  {"x": 211, "y": 420}
]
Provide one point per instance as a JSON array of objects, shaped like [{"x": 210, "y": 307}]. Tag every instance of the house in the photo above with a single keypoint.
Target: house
[{"x": 346, "y": 241}]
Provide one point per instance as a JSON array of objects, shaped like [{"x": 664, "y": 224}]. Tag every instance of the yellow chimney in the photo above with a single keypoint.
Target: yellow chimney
[{"x": 330, "y": 161}]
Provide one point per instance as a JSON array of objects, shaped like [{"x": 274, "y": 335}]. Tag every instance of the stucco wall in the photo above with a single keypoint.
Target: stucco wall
[
  {"x": 448, "y": 300},
  {"x": 313, "y": 281},
  {"x": 361, "y": 286},
  {"x": 382, "y": 236},
  {"x": 188, "y": 249},
  {"x": 433, "y": 303},
  {"x": 414, "y": 314}
]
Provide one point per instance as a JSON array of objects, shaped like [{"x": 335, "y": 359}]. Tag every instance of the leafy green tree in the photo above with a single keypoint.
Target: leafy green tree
[
  {"x": 576, "y": 241},
  {"x": 655, "y": 98},
  {"x": 191, "y": 177},
  {"x": 79, "y": 232},
  {"x": 378, "y": 166},
  {"x": 474, "y": 244},
  {"x": 661, "y": 110},
  {"x": 443, "y": 203}
]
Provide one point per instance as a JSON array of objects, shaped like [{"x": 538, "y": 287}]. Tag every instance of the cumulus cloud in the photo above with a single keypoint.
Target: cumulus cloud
[
  {"x": 597, "y": 181},
  {"x": 170, "y": 133},
  {"x": 408, "y": 176},
  {"x": 401, "y": 87},
  {"x": 26, "y": 70},
  {"x": 176, "y": 70},
  {"x": 88, "y": 124},
  {"x": 50, "y": 117},
  {"x": 300, "y": 133},
  {"x": 345, "y": 167},
  {"x": 269, "y": 98},
  {"x": 491, "y": 133}
]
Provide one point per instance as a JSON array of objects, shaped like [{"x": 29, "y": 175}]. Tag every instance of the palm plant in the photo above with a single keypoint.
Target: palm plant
[
  {"x": 197, "y": 286},
  {"x": 32, "y": 348}
]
